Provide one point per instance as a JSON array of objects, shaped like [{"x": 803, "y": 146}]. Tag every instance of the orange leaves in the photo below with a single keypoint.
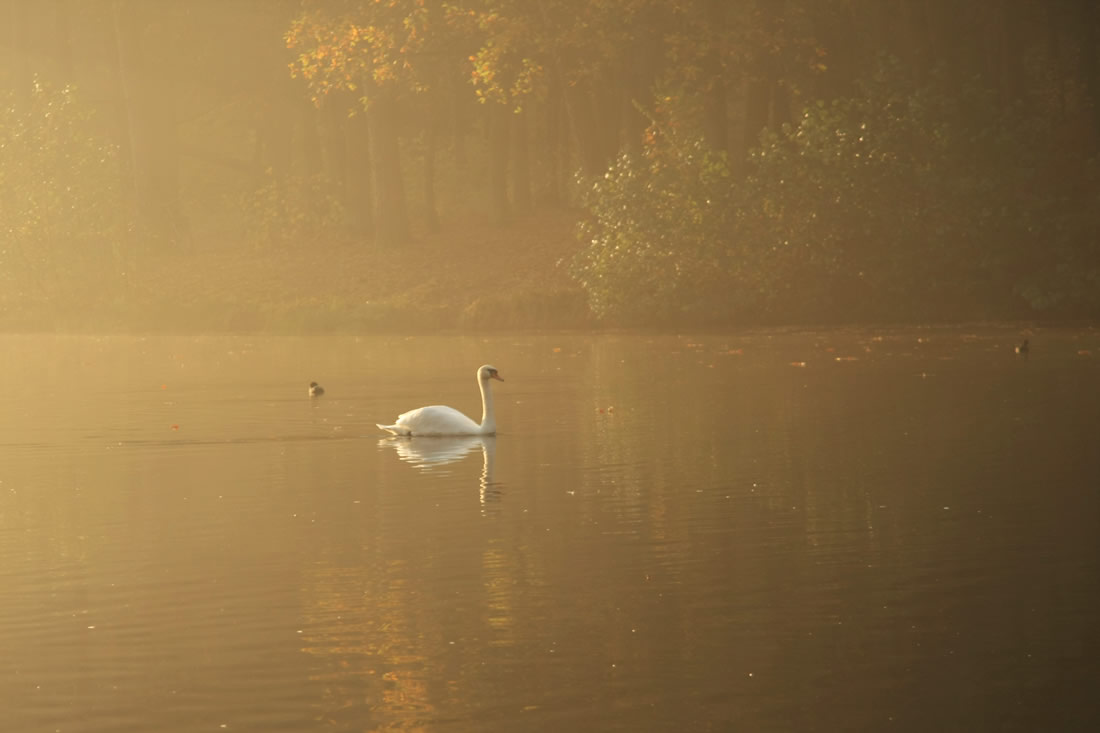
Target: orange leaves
[{"x": 375, "y": 43}]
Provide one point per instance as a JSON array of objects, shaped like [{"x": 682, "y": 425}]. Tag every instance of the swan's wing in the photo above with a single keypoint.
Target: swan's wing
[{"x": 434, "y": 420}]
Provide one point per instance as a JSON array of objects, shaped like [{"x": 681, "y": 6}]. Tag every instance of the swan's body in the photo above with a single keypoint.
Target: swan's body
[{"x": 437, "y": 420}]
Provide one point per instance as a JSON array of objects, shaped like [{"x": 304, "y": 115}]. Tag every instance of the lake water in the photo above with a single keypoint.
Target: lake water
[{"x": 767, "y": 531}]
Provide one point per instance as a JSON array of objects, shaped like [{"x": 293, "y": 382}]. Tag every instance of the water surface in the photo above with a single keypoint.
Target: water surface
[{"x": 769, "y": 531}]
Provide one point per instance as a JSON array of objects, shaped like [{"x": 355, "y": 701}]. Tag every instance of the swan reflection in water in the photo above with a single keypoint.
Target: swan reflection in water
[{"x": 428, "y": 454}]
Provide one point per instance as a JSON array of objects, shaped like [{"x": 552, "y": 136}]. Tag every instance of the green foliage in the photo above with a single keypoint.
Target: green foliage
[
  {"x": 61, "y": 210},
  {"x": 907, "y": 201},
  {"x": 292, "y": 209},
  {"x": 915, "y": 201},
  {"x": 658, "y": 234}
]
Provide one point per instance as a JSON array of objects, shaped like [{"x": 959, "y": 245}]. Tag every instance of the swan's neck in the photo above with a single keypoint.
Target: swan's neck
[{"x": 488, "y": 422}]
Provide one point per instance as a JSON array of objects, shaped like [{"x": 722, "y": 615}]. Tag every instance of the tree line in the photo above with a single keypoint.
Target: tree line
[{"x": 747, "y": 159}]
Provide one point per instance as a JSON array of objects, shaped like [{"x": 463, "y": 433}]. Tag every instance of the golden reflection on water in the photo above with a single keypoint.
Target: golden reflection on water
[
  {"x": 499, "y": 584},
  {"x": 694, "y": 534},
  {"x": 360, "y": 634}
]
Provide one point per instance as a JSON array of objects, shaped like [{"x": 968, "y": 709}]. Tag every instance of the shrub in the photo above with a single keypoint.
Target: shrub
[
  {"x": 907, "y": 201},
  {"x": 61, "y": 210},
  {"x": 658, "y": 234}
]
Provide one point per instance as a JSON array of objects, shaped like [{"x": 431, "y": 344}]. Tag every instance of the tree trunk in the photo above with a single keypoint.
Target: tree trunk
[
  {"x": 521, "y": 165},
  {"x": 766, "y": 102},
  {"x": 17, "y": 62},
  {"x": 152, "y": 135},
  {"x": 360, "y": 194},
  {"x": 582, "y": 124},
  {"x": 63, "y": 39},
  {"x": 431, "y": 145},
  {"x": 335, "y": 144},
  {"x": 1089, "y": 34},
  {"x": 312, "y": 155},
  {"x": 716, "y": 122},
  {"x": 554, "y": 121},
  {"x": 1007, "y": 52},
  {"x": 608, "y": 102},
  {"x": 638, "y": 101},
  {"x": 390, "y": 211},
  {"x": 499, "y": 119},
  {"x": 459, "y": 129}
]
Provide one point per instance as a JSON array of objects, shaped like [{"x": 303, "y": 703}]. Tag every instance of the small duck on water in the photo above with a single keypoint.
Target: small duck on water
[
  {"x": 1023, "y": 349},
  {"x": 315, "y": 390}
]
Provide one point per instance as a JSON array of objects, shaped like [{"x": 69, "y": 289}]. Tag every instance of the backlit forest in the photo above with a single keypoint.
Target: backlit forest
[{"x": 563, "y": 162}]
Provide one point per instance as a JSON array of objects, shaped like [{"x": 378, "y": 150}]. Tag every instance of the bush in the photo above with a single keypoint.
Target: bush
[
  {"x": 907, "y": 201},
  {"x": 659, "y": 236},
  {"x": 62, "y": 219},
  {"x": 919, "y": 201}
]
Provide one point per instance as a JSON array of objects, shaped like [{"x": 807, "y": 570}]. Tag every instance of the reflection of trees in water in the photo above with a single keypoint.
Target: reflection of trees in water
[
  {"x": 367, "y": 650},
  {"x": 372, "y": 624},
  {"x": 431, "y": 453}
]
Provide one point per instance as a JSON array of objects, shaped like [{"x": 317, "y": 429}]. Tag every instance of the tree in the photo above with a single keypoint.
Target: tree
[
  {"x": 61, "y": 208},
  {"x": 370, "y": 49},
  {"x": 152, "y": 135}
]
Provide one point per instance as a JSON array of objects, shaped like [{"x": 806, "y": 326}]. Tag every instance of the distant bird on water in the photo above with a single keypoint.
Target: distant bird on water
[
  {"x": 315, "y": 390},
  {"x": 1023, "y": 349}
]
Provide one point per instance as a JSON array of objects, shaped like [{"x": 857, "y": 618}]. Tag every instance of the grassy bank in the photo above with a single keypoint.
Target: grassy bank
[{"x": 468, "y": 275}]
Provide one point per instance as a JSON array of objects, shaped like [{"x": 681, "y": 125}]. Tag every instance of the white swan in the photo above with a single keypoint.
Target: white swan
[{"x": 442, "y": 420}]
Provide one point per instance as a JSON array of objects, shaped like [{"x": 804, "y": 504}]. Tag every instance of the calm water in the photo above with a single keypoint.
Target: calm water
[{"x": 844, "y": 530}]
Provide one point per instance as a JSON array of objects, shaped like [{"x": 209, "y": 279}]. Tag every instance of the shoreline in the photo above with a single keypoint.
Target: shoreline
[{"x": 467, "y": 277}]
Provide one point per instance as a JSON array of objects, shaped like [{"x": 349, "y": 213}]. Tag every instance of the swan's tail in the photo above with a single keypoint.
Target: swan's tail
[{"x": 394, "y": 429}]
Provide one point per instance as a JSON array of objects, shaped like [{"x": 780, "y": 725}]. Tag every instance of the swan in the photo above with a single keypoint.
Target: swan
[
  {"x": 315, "y": 390},
  {"x": 436, "y": 420}
]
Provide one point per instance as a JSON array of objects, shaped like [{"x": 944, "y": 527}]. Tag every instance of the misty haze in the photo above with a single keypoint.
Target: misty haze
[{"x": 596, "y": 365}]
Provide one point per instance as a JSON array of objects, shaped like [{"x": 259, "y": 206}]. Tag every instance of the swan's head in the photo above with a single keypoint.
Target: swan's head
[{"x": 487, "y": 372}]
